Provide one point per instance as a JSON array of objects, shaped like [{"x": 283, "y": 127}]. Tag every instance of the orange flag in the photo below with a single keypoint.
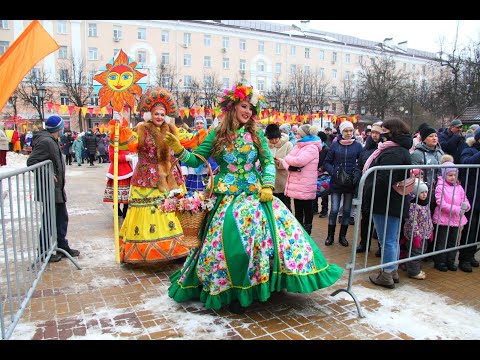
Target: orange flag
[{"x": 33, "y": 44}]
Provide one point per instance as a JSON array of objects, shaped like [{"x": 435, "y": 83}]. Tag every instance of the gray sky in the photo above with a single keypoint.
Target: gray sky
[{"x": 420, "y": 34}]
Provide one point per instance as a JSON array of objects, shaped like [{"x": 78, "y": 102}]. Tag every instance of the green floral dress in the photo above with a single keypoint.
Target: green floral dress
[{"x": 250, "y": 248}]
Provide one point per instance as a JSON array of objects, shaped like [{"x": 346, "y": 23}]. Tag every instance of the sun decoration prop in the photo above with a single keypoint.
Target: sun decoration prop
[
  {"x": 119, "y": 83},
  {"x": 241, "y": 92}
]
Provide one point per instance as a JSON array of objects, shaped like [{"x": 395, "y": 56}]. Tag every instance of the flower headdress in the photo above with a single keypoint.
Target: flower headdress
[
  {"x": 241, "y": 92},
  {"x": 155, "y": 97}
]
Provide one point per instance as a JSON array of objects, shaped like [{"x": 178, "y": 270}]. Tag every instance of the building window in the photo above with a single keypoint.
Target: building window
[
  {"x": 347, "y": 75},
  {"x": 360, "y": 59},
  {"x": 261, "y": 46},
  {"x": 207, "y": 81},
  {"x": 165, "y": 59},
  {"x": 347, "y": 58},
  {"x": 187, "y": 81},
  {"x": 261, "y": 66},
  {"x": 92, "y": 30},
  {"x": 62, "y": 26},
  {"x": 321, "y": 72},
  {"x": 62, "y": 52},
  {"x": 64, "y": 100},
  {"x": 243, "y": 44},
  {"x": 293, "y": 69},
  {"x": 278, "y": 48},
  {"x": 293, "y": 50},
  {"x": 207, "y": 61},
  {"x": 226, "y": 83},
  {"x": 278, "y": 68},
  {"x": 94, "y": 99},
  {"x": 187, "y": 39},
  {"x": 414, "y": 68},
  {"x": 307, "y": 70},
  {"x": 187, "y": 60},
  {"x": 165, "y": 36},
  {"x": 91, "y": 74},
  {"x": 63, "y": 75},
  {"x": 142, "y": 34},
  {"x": 141, "y": 56},
  {"x": 92, "y": 53},
  {"x": 225, "y": 42},
  {"x": 115, "y": 52},
  {"x": 261, "y": 84},
  {"x": 404, "y": 66},
  {"x": 334, "y": 91},
  {"x": 321, "y": 55},
  {"x": 117, "y": 32},
  {"x": 243, "y": 65},
  {"x": 3, "y": 24},
  {"x": 207, "y": 40},
  {"x": 226, "y": 63},
  {"x": 307, "y": 53},
  {"x": 334, "y": 57},
  {"x": 334, "y": 74},
  {"x": 3, "y": 47},
  {"x": 35, "y": 73}
]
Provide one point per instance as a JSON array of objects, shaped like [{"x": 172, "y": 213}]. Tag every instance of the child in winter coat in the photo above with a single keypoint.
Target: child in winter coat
[
  {"x": 418, "y": 229},
  {"x": 452, "y": 204}
]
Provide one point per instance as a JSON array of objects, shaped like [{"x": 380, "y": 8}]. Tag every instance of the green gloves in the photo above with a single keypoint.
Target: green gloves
[
  {"x": 266, "y": 194},
  {"x": 173, "y": 142}
]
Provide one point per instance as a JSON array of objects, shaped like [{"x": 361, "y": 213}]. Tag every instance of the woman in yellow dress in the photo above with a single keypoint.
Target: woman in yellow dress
[{"x": 148, "y": 235}]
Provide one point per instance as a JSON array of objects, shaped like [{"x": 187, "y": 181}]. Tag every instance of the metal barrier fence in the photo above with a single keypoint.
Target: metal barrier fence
[
  {"x": 362, "y": 263},
  {"x": 28, "y": 238}
]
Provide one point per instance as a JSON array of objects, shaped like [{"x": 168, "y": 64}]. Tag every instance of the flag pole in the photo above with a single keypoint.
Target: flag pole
[{"x": 115, "y": 186}]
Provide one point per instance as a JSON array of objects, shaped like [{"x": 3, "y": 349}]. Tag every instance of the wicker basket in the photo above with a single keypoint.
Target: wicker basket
[{"x": 192, "y": 222}]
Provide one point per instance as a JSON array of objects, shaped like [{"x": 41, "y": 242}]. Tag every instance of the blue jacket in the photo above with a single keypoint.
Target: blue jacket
[
  {"x": 471, "y": 155},
  {"x": 345, "y": 156},
  {"x": 451, "y": 143}
]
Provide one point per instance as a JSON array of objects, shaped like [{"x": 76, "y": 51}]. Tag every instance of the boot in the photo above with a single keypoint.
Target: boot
[
  {"x": 331, "y": 235},
  {"x": 236, "y": 308},
  {"x": 395, "y": 277},
  {"x": 341, "y": 237},
  {"x": 383, "y": 278},
  {"x": 308, "y": 228}
]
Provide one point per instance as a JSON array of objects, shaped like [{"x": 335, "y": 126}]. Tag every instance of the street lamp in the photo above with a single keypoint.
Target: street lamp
[{"x": 41, "y": 95}]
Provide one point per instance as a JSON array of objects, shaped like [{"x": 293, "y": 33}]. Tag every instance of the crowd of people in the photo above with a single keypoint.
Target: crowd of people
[{"x": 257, "y": 239}]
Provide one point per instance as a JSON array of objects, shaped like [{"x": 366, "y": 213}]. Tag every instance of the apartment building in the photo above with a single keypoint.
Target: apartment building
[{"x": 261, "y": 53}]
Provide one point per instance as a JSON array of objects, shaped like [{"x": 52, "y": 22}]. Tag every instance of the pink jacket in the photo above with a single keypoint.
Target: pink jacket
[
  {"x": 450, "y": 203},
  {"x": 302, "y": 185}
]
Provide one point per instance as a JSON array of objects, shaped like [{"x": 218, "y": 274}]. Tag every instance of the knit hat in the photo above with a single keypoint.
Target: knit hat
[
  {"x": 307, "y": 129},
  {"x": 426, "y": 132},
  {"x": 446, "y": 170},
  {"x": 474, "y": 127},
  {"x": 377, "y": 127},
  {"x": 419, "y": 187},
  {"x": 285, "y": 128},
  {"x": 54, "y": 124},
  {"x": 476, "y": 134},
  {"x": 346, "y": 125}
]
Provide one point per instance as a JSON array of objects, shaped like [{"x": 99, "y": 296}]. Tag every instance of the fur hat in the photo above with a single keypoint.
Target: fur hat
[
  {"x": 345, "y": 125},
  {"x": 446, "y": 158},
  {"x": 447, "y": 170},
  {"x": 476, "y": 134},
  {"x": 54, "y": 124},
  {"x": 307, "y": 129},
  {"x": 419, "y": 187},
  {"x": 426, "y": 132}
]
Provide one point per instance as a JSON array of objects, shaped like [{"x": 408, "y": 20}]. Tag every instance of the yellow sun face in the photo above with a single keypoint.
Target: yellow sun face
[{"x": 119, "y": 83}]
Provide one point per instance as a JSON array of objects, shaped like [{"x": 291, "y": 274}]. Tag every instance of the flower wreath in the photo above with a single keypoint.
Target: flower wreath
[
  {"x": 155, "y": 97},
  {"x": 241, "y": 92}
]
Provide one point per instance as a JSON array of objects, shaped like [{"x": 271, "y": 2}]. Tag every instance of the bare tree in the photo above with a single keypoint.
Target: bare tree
[
  {"x": 382, "y": 87},
  {"x": 77, "y": 84},
  {"x": 212, "y": 89},
  {"x": 168, "y": 78},
  {"x": 347, "y": 95},
  {"x": 27, "y": 91}
]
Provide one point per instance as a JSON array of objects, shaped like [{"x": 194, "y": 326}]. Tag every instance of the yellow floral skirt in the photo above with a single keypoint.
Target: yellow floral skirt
[{"x": 149, "y": 235}]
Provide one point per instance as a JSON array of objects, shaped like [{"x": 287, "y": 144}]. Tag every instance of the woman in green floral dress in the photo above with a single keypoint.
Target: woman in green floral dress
[{"x": 252, "y": 244}]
